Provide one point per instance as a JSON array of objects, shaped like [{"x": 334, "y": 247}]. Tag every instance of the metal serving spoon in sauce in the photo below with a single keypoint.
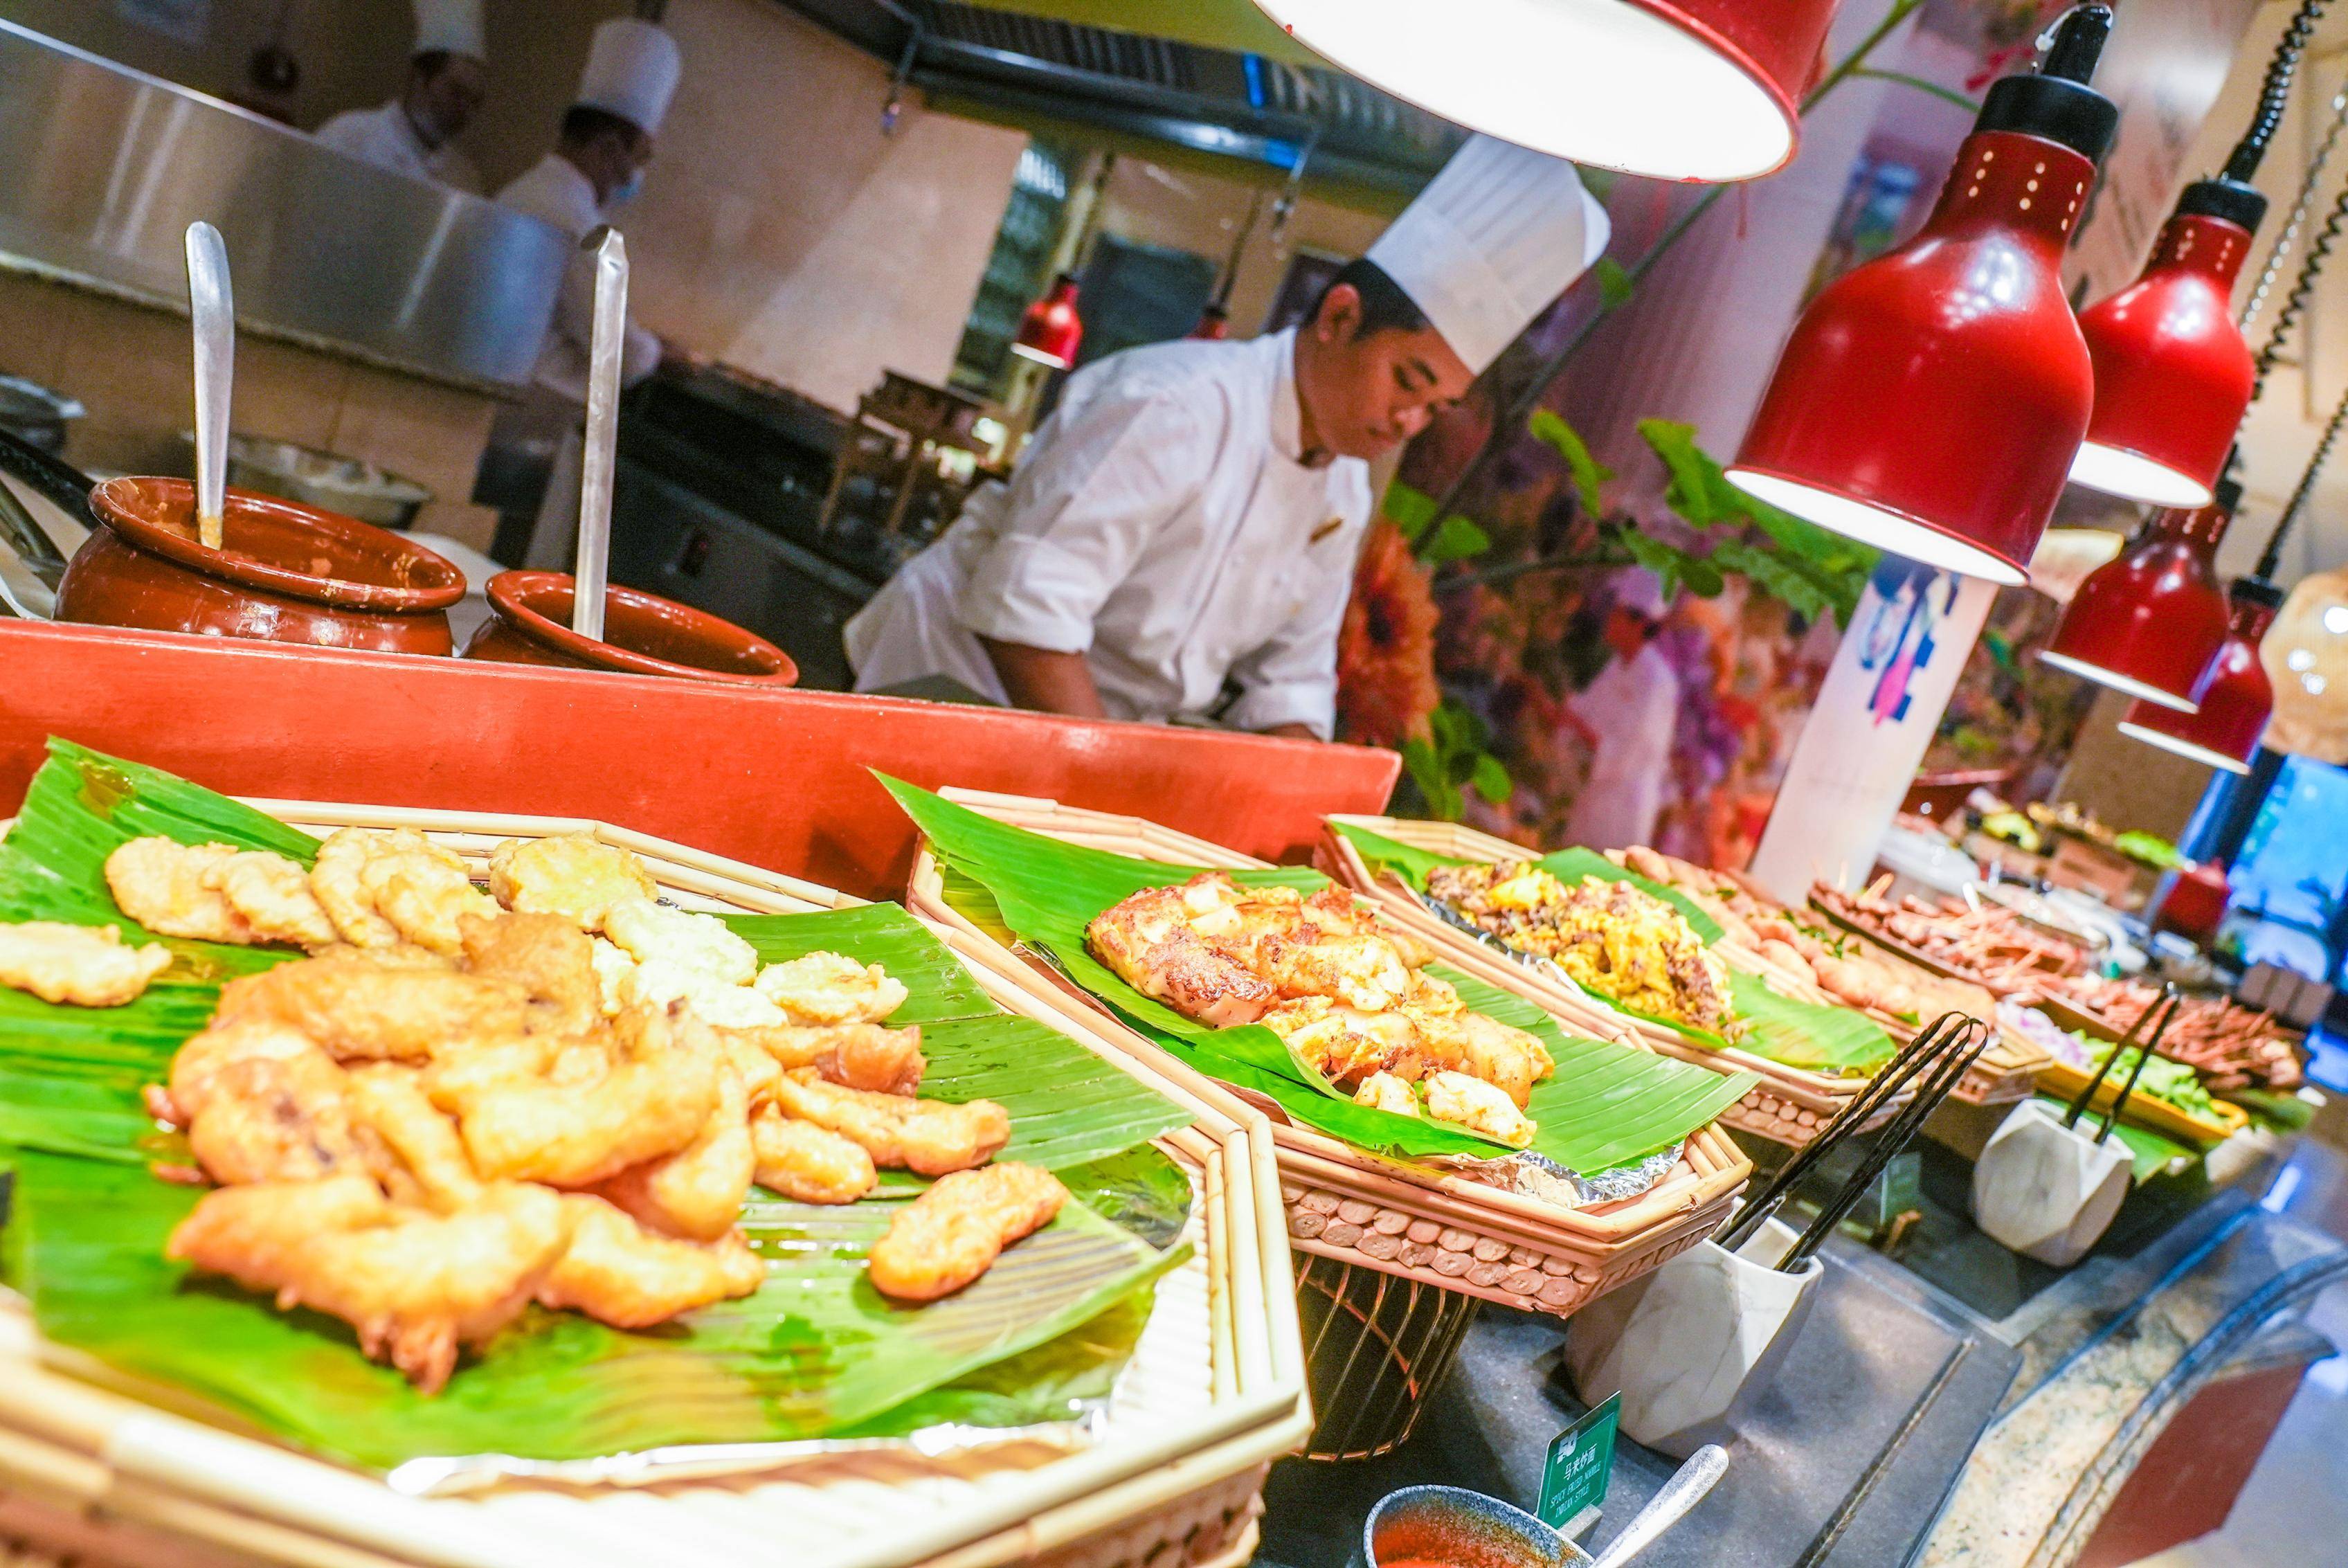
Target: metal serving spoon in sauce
[{"x": 211, "y": 314}]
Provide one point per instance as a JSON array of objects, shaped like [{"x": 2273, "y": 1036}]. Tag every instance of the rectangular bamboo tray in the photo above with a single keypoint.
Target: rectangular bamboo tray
[
  {"x": 1344, "y": 1203},
  {"x": 90, "y": 1473},
  {"x": 2063, "y": 1080},
  {"x": 1788, "y": 1106}
]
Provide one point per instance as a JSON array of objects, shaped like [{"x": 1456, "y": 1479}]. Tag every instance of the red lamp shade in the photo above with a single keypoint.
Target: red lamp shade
[
  {"x": 1930, "y": 401},
  {"x": 1050, "y": 333},
  {"x": 1673, "y": 89},
  {"x": 2173, "y": 376},
  {"x": 1214, "y": 323},
  {"x": 2149, "y": 621},
  {"x": 2235, "y": 698}
]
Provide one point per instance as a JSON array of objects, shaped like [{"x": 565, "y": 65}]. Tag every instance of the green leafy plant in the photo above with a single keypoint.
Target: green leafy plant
[{"x": 1451, "y": 759}]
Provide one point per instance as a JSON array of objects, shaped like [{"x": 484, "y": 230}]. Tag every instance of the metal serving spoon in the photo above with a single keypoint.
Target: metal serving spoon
[
  {"x": 1682, "y": 1492},
  {"x": 211, "y": 314},
  {"x": 607, "y": 348}
]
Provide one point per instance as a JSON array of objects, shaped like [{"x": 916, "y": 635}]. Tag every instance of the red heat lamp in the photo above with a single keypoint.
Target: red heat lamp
[
  {"x": 1214, "y": 324},
  {"x": 2235, "y": 697},
  {"x": 1930, "y": 401},
  {"x": 1050, "y": 333},
  {"x": 2150, "y": 620},
  {"x": 1673, "y": 89}
]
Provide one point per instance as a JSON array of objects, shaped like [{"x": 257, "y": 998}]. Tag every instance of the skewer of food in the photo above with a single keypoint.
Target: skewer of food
[{"x": 2234, "y": 1047}]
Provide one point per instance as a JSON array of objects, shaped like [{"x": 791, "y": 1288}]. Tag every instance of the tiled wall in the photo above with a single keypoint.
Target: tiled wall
[{"x": 131, "y": 367}]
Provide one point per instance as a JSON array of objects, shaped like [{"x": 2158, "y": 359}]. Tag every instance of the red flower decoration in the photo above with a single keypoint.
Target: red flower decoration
[{"x": 1386, "y": 650}]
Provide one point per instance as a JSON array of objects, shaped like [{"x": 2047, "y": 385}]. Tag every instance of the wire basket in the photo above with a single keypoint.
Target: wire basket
[{"x": 1376, "y": 1346}]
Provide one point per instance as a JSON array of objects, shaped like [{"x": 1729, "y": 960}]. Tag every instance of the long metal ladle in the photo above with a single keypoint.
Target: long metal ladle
[
  {"x": 607, "y": 350},
  {"x": 211, "y": 314}
]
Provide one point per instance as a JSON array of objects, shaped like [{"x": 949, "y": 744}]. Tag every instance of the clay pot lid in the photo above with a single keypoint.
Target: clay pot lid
[
  {"x": 282, "y": 547},
  {"x": 644, "y": 634}
]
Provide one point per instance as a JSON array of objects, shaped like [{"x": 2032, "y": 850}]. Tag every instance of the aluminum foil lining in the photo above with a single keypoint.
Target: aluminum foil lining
[{"x": 1540, "y": 1177}]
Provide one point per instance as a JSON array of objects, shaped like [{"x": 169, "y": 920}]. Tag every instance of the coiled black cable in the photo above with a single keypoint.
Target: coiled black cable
[
  {"x": 2274, "y": 93},
  {"x": 2303, "y": 290},
  {"x": 2272, "y": 556}
]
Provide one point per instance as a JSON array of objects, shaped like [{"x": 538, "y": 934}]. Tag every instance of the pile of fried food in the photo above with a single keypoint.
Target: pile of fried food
[
  {"x": 1842, "y": 967},
  {"x": 2234, "y": 1047},
  {"x": 461, "y": 1104},
  {"x": 1610, "y": 937},
  {"x": 1991, "y": 943},
  {"x": 1343, "y": 991}
]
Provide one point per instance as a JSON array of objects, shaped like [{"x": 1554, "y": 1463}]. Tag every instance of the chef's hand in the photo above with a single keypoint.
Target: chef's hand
[{"x": 1045, "y": 680}]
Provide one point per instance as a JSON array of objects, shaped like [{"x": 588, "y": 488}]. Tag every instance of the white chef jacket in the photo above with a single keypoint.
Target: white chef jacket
[
  {"x": 554, "y": 192},
  {"x": 1163, "y": 524},
  {"x": 385, "y": 137}
]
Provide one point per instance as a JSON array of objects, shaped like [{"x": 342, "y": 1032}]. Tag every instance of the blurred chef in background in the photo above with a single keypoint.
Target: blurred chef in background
[
  {"x": 598, "y": 163},
  {"x": 1179, "y": 538},
  {"x": 415, "y": 133}
]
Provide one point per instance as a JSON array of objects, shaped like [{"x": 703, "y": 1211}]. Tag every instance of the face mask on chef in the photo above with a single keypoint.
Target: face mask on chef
[
  {"x": 444, "y": 93},
  {"x": 610, "y": 152},
  {"x": 1370, "y": 372}
]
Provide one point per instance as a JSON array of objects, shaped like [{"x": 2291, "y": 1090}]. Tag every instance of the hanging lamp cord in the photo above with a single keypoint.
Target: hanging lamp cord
[
  {"x": 2273, "y": 557},
  {"x": 2300, "y": 207},
  {"x": 2274, "y": 92}
]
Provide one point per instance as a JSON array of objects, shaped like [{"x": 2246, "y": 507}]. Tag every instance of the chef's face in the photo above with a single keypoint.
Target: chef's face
[
  {"x": 444, "y": 97},
  {"x": 1366, "y": 392}
]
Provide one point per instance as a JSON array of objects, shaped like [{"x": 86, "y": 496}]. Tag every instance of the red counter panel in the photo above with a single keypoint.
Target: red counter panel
[{"x": 781, "y": 779}]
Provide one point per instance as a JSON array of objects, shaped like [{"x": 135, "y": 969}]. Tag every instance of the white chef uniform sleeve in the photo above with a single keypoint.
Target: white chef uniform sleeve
[
  {"x": 574, "y": 322},
  {"x": 1082, "y": 505},
  {"x": 1292, "y": 677}
]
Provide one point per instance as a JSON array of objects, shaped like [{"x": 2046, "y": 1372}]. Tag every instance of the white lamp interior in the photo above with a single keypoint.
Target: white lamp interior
[
  {"x": 1873, "y": 525},
  {"x": 2183, "y": 747},
  {"x": 2116, "y": 472},
  {"x": 1599, "y": 81},
  {"x": 2119, "y": 682},
  {"x": 1039, "y": 357}
]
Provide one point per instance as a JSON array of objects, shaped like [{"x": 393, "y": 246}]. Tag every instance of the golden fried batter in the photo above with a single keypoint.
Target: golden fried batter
[
  {"x": 804, "y": 1161},
  {"x": 272, "y": 895},
  {"x": 953, "y": 1234},
  {"x": 697, "y": 1191},
  {"x": 929, "y": 1137},
  {"x": 855, "y": 1056},
  {"x": 616, "y": 1272},
  {"x": 570, "y": 874},
  {"x": 337, "y": 878},
  {"x": 166, "y": 886},
  {"x": 83, "y": 965},
  {"x": 361, "y": 1010},
  {"x": 262, "y": 1103},
  {"x": 427, "y": 1166},
  {"x": 702, "y": 943},
  {"x": 655, "y": 1100},
  {"x": 424, "y": 896},
  {"x": 415, "y": 1285},
  {"x": 550, "y": 958},
  {"x": 827, "y": 988}
]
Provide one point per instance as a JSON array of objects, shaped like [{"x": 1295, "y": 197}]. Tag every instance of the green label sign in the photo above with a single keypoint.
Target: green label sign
[{"x": 1581, "y": 1463}]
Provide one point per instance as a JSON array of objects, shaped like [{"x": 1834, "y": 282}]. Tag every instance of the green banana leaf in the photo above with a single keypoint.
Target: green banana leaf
[
  {"x": 815, "y": 1352},
  {"x": 1605, "y": 1106},
  {"x": 1811, "y": 1036}
]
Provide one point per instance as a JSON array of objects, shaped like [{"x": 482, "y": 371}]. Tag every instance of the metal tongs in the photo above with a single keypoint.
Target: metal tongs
[
  {"x": 607, "y": 350},
  {"x": 2168, "y": 999}
]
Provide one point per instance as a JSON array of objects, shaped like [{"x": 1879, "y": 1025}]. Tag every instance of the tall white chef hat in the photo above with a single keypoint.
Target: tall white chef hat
[
  {"x": 633, "y": 68},
  {"x": 449, "y": 26},
  {"x": 1494, "y": 238}
]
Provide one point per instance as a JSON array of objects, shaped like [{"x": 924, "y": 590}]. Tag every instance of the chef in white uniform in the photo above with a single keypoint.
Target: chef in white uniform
[
  {"x": 1186, "y": 522},
  {"x": 597, "y": 165},
  {"x": 415, "y": 133}
]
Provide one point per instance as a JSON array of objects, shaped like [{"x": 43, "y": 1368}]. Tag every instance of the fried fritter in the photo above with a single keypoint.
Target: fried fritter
[
  {"x": 550, "y": 958},
  {"x": 427, "y": 1165},
  {"x": 657, "y": 981},
  {"x": 702, "y": 943},
  {"x": 570, "y": 874},
  {"x": 827, "y": 988},
  {"x": 272, "y": 895},
  {"x": 854, "y": 1056},
  {"x": 338, "y": 878},
  {"x": 262, "y": 1102},
  {"x": 415, "y": 1285},
  {"x": 697, "y": 1191},
  {"x": 928, "y": 1136},
  {"x": 808, "y": 1163},
  {"x": 653, "y": 1100},
  {"x": 166, "y": 886},
  {"x": 424, "y": 896},
  {"x": 616, "y": 1272},
  {"x": 366, "y": 1011},
  {"x": 82, "y": 965},
  {"x": 953, "y": 1234},
  {"x": 613, "y": 967},
  {"x": 1472, "y": 1103}
]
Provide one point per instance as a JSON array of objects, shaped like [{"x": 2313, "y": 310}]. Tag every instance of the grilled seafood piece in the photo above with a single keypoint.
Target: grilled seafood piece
[
  {"x": 951, "y": 1234},
  {"x": 80, "y": 965}
]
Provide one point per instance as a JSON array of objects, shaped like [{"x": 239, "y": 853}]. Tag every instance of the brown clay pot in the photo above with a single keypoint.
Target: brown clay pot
[
  {"x": 285, "y": 573},
  {"x": 643, "y": 635}
]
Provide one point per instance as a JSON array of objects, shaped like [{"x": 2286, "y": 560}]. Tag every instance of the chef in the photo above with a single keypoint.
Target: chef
[
  {"x": 1177, "y": 541},
  {"x": 415, "y": 133},
  {"x": 597, "y": 165}
]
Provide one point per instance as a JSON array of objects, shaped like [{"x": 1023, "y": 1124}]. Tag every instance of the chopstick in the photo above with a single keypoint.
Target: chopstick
[
  {"x": 2152, "y": 1042},
  {"x": 2086, "y": 1096},
  {"x": 1952, "y": 1066},
  {"x": 1860, "y": 1110}
]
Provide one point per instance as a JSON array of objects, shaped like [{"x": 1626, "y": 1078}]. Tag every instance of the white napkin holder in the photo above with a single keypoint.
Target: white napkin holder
[
  {"x": 1693, "y": 1343},
  {"x": 2047, "y": 1191}
]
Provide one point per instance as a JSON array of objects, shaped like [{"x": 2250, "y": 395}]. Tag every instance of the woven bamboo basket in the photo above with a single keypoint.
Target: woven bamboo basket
[
  {"x": 1390, "y": 1216},
  {"x": 1215, "y": 1391},
  {"x": 1788, "y": 1106}
]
